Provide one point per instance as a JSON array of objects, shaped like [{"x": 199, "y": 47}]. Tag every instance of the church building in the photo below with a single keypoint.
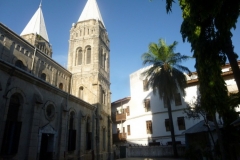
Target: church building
[{"x": 49, "y": 112}]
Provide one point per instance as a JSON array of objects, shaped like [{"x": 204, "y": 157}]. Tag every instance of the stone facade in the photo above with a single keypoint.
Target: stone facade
[{"x": 42, "y": 113}]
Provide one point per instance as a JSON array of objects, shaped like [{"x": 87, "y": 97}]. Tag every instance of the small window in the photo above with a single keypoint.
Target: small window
[
  {"x": 149, "y": 127},
  {"x": 128, "y": 130},
  {"x": 88, "y": 55},
  {"x": 178, "y": 101},
  {"x": 181, "y": 123},
  {"x": 43, "y": 76},
  {"x": 19, "y": 64},
  {"x": 145, "y": 85},
  {"x": 60, "y": 86},
  {"x": 167, "y": 124},
  {"x": 147, "y": 105}
]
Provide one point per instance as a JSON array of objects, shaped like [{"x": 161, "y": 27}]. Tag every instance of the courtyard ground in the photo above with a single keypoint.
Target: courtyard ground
[{"x": 151, "y": 159}]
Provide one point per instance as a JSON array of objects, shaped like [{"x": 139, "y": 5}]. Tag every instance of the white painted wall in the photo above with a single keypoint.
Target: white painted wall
[{"x": 157, "y": 114}]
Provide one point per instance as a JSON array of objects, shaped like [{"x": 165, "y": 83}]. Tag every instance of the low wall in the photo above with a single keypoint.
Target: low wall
[{"x": 150, "y": 151}]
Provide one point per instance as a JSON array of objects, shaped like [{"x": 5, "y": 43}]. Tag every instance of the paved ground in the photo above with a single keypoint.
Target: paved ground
[{"x": 151, "y": 159}]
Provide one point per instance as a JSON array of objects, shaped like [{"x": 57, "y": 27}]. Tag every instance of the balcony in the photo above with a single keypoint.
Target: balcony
[
  {"x": 118, "y": 137},
  {"x": 121, "y": 117}
]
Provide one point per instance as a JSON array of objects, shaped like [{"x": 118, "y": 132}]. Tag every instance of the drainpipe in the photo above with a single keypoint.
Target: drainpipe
[{"x": 66, "y": 142}]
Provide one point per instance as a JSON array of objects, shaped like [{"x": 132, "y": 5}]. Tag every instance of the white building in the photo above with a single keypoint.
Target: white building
[{"x": 142, "y": 119}]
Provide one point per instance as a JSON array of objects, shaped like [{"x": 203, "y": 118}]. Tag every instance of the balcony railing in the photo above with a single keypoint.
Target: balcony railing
[
  {"x": 121, "y": 117},
  {"x": 119, "y": 137}
]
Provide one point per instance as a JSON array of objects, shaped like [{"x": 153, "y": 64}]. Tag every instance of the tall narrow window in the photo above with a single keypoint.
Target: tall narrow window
[
  {"x": 181, "y": 123},
  {"x": 81, "y": 92},
  {"x": 128, "y": 130},
  {"x": 147, "y": 105},
  {"x": 149, "y": 127},
  {"x": 178, "y": 101},
  {"x": 104, "y": 60},
  {"x": 101, "y": 57},
  {"x": 167, "y": 124},
  {"x": 145, "y": 85},
  {"x": 12, "y": 129},
  {"x": 104, "y": 138},
  {"x": 103, "y": 97},
  {"x": 88, "y": 55},
  {"x": 79, "y": 57},
  {"x": 71, "y": 133},
  {"x": 88, "y": 135}
]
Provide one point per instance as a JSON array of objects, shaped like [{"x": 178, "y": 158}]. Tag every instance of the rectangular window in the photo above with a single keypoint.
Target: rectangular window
[
  {"x": 178, "y": 101},
  {"x": 145, "y": 85},
  {"x": 147, "y": 105},
  {"x": 167, "y": 124},
  {"x": 128, "y": 130},
  {"x": 149, "y": 127},
  {"x": 181, "y": 123}
]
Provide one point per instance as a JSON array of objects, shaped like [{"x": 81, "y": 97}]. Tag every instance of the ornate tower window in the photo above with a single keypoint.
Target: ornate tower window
[
  {"x": 88, "y": 55},
  {"x": 79, "y": 57}
]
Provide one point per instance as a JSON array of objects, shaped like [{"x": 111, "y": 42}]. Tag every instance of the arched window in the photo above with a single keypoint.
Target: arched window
[
  {"x": 104, "y": 60},
  {"x": 60, "y": 86},
  {"x": 100, "y": 56},
  {"x": 81, "y": 92},
  {"x": 19, "y": 64},
  {"x": 72, "y": 132},
  {"x": 79, "y": 57},
  {"x": 43, "y": 76},
  {"x": 88, "y": 55},
  {"x": 103, "y": 97},
  {"x": 12, "y": 129},
  {"x": 88, "y": 135}
]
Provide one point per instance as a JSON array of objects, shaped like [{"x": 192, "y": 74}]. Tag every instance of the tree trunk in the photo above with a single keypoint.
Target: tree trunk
[
  {"x": 172, "y": 128},
  {"x": 220, "y": 138},
  {"x": 233, "y": 61}
]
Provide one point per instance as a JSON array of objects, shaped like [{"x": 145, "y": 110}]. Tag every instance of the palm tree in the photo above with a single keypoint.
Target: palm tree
[{"x": 166, "y": 75}]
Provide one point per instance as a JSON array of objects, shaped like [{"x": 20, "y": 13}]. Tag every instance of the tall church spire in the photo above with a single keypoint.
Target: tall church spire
[
  {"x": 36, "y": 25},
  {"x": 91, "y": 11}
]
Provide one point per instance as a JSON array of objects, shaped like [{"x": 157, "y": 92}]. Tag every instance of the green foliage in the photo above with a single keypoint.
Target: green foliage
[{"x": 165, "y": 74}]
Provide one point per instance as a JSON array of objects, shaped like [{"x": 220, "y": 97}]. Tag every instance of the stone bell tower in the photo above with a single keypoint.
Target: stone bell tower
[{"x": 88, "y": 58}]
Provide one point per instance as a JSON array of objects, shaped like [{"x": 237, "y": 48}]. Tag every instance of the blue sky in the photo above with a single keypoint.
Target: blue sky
[{"x": 131, "y": 26}]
